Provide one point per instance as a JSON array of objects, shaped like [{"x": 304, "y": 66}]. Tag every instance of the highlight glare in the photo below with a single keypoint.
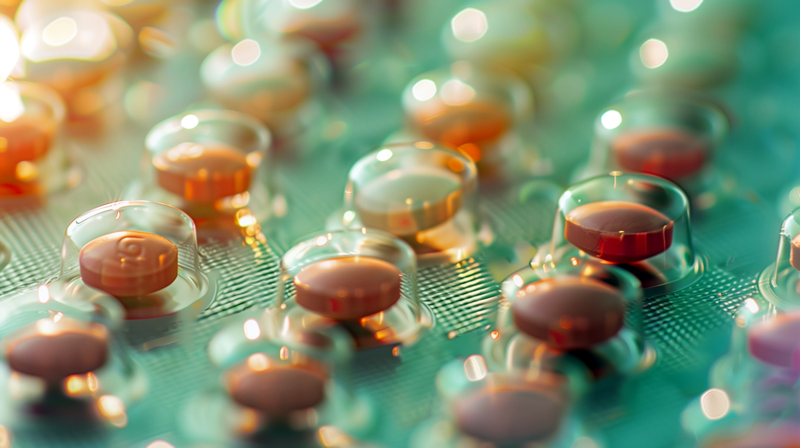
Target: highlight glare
[
  {"x": 304, "y": 4},
  {"x": 9, "y": 48},
  {"x": 251, "y": 329},
  {"x": 715, "y": 404},
  {"x": 190, "y": 122},
  {"x": 60, "y": 31},
  {"x": 685, "y": 5},
  {"x": 611, "y": 119},
  {"x": 424, "y": 90},
  {"x": 246, "y": 52},
  {"x": 654, "y": 53},
  {"x": 11, "y": 106},
  {"x": 469, "y": 25}
]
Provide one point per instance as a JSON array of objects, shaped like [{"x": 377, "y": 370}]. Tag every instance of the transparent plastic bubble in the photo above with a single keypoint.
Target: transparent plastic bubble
[
  {"x": 33, "y": 160},
  {"x": 145, "y": 254},
  {"x": 423, "y": 194},
  {"x": 274, "y": 81},
  {"x": 583, "y": 320},
  {"x": 63, "y": 358},
  {"x": 208, "y": 162},
  {"x": 482, "y": 407},
  {"x": 364, "y": 281},
  {"x": 473, "y": 112},
  {"x": 637, "y": 222},
  {"x": 780, "y": 282},
  {"x": 276, "y": 381},
  {"x": 667, "y": 133}
]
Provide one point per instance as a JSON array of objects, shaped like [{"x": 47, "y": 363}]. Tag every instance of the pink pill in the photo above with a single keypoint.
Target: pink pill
[
  {"x": 129, "y": 263},
  {"x": 670, "y": 153},
  {"x": 777, "y": 342},
  {"x": 276, "y": 390},
  {"x": 570, "y": 313},
  {"x": 348, "y": 288},
  {"x": 618, "y": 231}
]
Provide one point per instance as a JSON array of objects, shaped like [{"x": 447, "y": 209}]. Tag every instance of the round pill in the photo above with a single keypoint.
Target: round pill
[
  {"x": 129, "y": 263},
  {"x": 348, "y": 288},
  {"x": 618, "y": 231},
  {"x": 68, "y": 351},
  {"x": 776, "y": 342},
  {"x": 794, "y": 254},
  {"x": 278, "y": 390},
  {"x": 509, "y": 417},
  {"x": 453, "y": 126},
  {"x": 569, "y": 313},
  {"x": 408, "y": 200},
  {"x": 203, "y": 173},
  {"x": 669, "y": 153}
]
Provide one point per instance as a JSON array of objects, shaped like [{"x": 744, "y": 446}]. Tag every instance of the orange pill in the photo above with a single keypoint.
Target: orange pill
[
  {"x": 669, "y": 153},
  {"x": 348, "y": 288},
  {"x": 129, "y": 263},
  {"x": 275, "y": 390},
  {"x": 618, "y": 231},
  {"x": 454, "y": 126},
  {"x": 55, "y": 351},
  {"x": 203, "y": 173},
  {"x": 27, "y": 138}
]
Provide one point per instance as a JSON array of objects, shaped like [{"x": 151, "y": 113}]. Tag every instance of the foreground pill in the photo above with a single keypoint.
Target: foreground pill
[
  {"x": 54, "y": 353},
  {"x": 667, "y": 153},
  {"x": 129, "y": 263},
  {"x": 776, "y": 342},
  {"x": 203, "y": 173},
  {"x": 348, "y": 288},
  {"x": 275, "y": 390},
  {"x": 618, "y": 231},
  {"x": 453, "y": 126},
  {"x": 569, "y": 313},
  {"x": 509, "y": 417},
  {"x": 408, "y": 200}
]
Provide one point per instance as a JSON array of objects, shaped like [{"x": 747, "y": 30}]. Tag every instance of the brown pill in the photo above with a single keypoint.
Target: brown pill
[
  {"x": 794, "y": 254},
  {"x": 27, "y": 138},
  {"x": 454, "y": 126},
  {"x": 618, "y": 231},
  {"x": 129, "y": 263},
  {"x": 348, "y": 288},
  {"x": 569, "y": 313},
  {"x": 276, "y": 390},
  {"x": 203, "y": 173},
  {"x": 669, "y": 153},
  {"x": 59, "y": 352},
  {"x": 509, "y": 416},
  {"x": 409, "y": 200}
]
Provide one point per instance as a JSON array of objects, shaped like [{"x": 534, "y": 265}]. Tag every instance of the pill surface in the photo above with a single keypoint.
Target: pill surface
[
  {"x": 68, "y": 351},
  {"x": 453, "y": 126},
  {"x": 794, "y": 254},
  {"x": 27, "y": 138},
  {"x": 203, "y": 173},
  {"x": 508, "y": 417},
  {"x": 669, "y": 153},
  {"x": 618, "y": 231},
  {"x": 348, "y": 288},
  {"x": 277, "y": 390},
  {"x": 569, "y": 313},
  {"x": 129, "y": 263},
  {"x": 777, "y": 342},
  {"x": 406, "y": 201}
]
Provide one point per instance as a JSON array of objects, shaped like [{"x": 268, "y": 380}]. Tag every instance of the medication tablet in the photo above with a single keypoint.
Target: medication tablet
[
  {"x": 277, "y": 390},
  {"x": 129, "y": 263},
  {"x": 27, "y": 138},
  {"x": 453, "y": 126},
  {"x": 794, "y": 255},
  {"x": 669, "y": 153},
  {"x": 348, "y": 288},
  {"x": 509, "y": 417},
  {"x": 56, "y": 355},
  {"x": 408, "y": 200},
  {"x": 618, "y": 231},
  {"x": 203, "y": 173},
  {"x": 776, "y": 342},
  {"x": 569, "y": 313}
]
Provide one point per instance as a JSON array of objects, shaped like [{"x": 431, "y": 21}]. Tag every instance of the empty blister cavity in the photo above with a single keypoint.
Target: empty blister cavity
[
  {"x": 273, "y": 379},
  {"x": 637, "y": 222},
  {"x": 145, "y": 254},
  {"x": 423, "y": 195},
  {"x": 671, "y": 134},
  {"x": 63, "y": 358},
  {"x": 364, "y": 281},
  {"x": 582, "y": 320},
  {"x": 207, "y": 163},
  {"x": 780, "y": 282},
  {"x": 474, "y": 112}
]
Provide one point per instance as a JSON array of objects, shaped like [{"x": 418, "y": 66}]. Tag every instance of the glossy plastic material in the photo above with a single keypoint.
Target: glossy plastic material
[{"x": 780, "y": 282}]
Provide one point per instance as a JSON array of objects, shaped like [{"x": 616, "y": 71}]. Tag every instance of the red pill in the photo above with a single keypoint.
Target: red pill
[
  {"x": 129, "y": 263},
  {"x": 794, "y": 254},
  {"x": 776, "y": 342},
  {"x": 509, "y": 417},
  {"x": 53, "y": 351},
  {"x": 453, "y": 126},
  {"x": 569, "y": 313},
  {"x": 618, "y": 231},
  {"x": 348, "y": 288},
  {"x": 276, "y": 390},
  {"x": 203, "y": 173},
  {"x": 669, "y": 153}
]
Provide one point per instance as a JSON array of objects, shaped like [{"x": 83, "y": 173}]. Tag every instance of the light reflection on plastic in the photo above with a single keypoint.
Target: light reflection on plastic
[
  {"x": 654, "y": 53},
  {"x": 251, "y": 329},
  {"x": 246, "y": 52},
  {"x": 469, "y": 25},
  {"x": 611, "y": 119},
  {"x": 258, "y": 362},
  {"x": 517, "y": 279},
  {"x": 44, "y": 294},
  {"x": 190, "y": 122},
  {"x": 384, "y": 154},
  {"x": 751, "y": 305},
  {"x": 457, "y": 93},
  {"x": 160, "y": 444},
  {"x": 9, "y": 48},
  {"x": 424, "y": 90},
  {"x": 475, "y": 368},
  {"x": 715, "y": 404},
  {"x": 321, "y": 240},
  {"x": 60, "y": 31},
  {"x": 112, "y": 408},
  {"x": 304, "y": 4},
  {"x": 685, "y": 5}
]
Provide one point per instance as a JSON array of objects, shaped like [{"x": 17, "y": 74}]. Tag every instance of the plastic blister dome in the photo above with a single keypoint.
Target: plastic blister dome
[{"x": 780, "y": 282}]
